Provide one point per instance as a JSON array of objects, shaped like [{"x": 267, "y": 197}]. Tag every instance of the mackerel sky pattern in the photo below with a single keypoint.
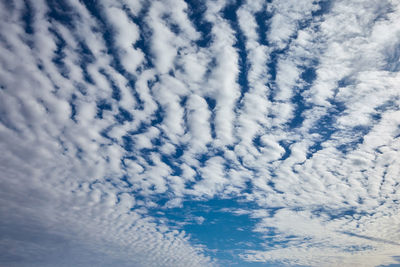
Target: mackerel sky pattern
[{"x": 199, "y": 133}]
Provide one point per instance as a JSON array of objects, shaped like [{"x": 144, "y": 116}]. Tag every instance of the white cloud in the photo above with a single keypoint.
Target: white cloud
[{"x": 77, "y": 188}]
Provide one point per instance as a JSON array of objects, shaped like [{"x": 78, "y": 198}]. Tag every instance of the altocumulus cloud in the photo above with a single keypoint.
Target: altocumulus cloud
[{"x": 199, "y": 133}]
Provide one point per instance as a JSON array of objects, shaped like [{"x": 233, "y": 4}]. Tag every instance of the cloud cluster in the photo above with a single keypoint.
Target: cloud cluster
[{"x": 107, "y": 108}]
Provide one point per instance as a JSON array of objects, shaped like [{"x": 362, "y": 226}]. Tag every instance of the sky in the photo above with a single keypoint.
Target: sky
[{"x": 199, "y": 133}]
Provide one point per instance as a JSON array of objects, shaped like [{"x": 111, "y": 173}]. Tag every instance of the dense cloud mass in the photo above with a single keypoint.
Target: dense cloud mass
[{"x": 199, "y": 133}]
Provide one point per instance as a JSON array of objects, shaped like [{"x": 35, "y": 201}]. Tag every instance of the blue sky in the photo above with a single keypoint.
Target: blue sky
[{"x": 199, "y": 133}]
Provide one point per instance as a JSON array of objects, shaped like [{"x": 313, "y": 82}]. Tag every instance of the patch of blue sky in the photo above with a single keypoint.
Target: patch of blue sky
[
  {"x": 72, "y": 103},
  {"x": 145, "y": 33},
  {"x": 350, "y": 212},
  {"x": 230, "y": 13},
  {"x": 59, "y": 54},
  {"x": 325, "y": 127},
  {"x": 397, "y": 258},
  {"x": 357, "y": 135},
  {"x": 308, "y": 75},
  {"x": 123, "y": 115},
  {"x": 211, "y": 103},
  {"x": 62, "y": 12},
  {"x": 215, "y": 224},
  {"x": 28, "y": 17},
  {"x": 196, "y": 11},
  {"x": 324, "y": 7},
  {"x": 262, "y": 17}
]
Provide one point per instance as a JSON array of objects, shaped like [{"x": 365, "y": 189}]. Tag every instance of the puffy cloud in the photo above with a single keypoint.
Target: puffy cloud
[{"x": 115, "y": 113}]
